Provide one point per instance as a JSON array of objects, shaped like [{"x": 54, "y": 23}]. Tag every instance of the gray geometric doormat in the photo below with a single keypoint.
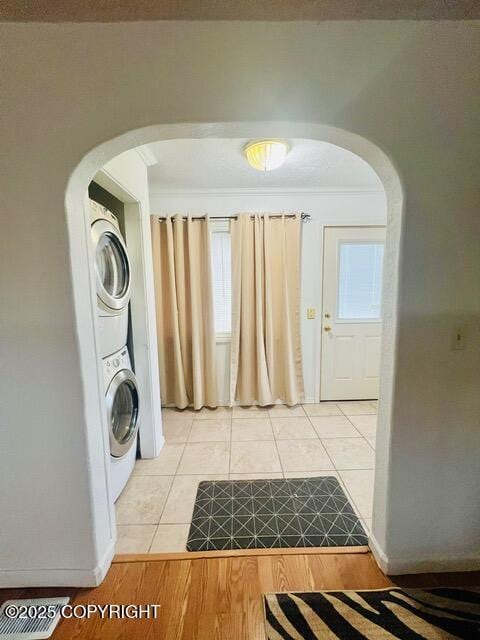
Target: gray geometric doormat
[{"x": 266, "y": 514}]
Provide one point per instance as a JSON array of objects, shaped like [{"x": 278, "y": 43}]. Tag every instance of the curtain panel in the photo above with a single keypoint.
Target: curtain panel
[
  {"x": 184, "y": 311},
  {"x": 266, "y": 363}
]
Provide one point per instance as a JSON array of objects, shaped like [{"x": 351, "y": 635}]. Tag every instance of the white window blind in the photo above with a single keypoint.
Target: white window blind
[
  {"x": 360, "y": 280},
  {"x": 222, "y": 280}
]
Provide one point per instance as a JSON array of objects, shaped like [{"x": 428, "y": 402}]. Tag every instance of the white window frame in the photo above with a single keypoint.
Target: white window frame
[{"x": 221, "y": 226}]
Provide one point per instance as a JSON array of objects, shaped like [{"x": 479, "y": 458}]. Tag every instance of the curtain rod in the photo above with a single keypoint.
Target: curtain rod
[{"x": 305, "y": 217}]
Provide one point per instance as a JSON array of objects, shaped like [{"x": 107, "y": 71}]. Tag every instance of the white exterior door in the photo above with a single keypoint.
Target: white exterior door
[{"x": 351, "y": 322}]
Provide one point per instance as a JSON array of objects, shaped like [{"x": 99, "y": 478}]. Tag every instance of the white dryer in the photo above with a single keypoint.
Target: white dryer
[
  {"x": 112, "y": 273},
  {"x": 123, "y": 413}
]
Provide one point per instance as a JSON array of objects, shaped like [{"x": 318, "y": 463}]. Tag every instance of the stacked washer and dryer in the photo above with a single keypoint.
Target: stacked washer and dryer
[{"x": 113, "y": 280}]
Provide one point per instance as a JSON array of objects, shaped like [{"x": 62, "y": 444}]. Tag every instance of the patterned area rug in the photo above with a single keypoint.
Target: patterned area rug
[
  {"x": 406, "y": 614},
  {"x": 263, "y": 514}
]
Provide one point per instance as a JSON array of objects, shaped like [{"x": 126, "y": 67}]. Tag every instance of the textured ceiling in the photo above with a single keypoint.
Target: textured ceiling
[
  {"x": 131, "y": 10},
  {"x": 220, "y": 164}
]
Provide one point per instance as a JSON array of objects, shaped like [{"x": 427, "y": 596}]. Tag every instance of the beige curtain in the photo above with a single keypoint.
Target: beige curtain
[
  {"x": 185, "y": 317},
  {"x": 266, "y": 362}
]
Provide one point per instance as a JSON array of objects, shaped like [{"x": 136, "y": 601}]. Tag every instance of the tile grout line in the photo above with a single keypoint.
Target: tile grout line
[
  {"x": 311, "y": 424},
  {"x": 324, "y": 447},
  {"x": 316, "y": 437},
  {"x": 170, "y": 488},
  {"x": 230, "y": 448},
  {"x": 359, "y": 514},
  {"x": 343, "y": 485},
  {"x": 175, "y": 475},
  {"x": 276, "y": 446},
  {"x": 164, "y": 504},
  {"x": 153, "y": 538},
  {"x": 244, "y": 473},
  {"x": 361, "y": 434}
]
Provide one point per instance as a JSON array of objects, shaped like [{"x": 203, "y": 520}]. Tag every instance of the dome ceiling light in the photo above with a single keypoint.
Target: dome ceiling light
[{"x": 266, "y": 155}]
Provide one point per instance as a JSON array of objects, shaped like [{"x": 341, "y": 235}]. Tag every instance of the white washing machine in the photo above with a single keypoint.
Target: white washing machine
[
  {"x": 123, "y": 412},
  {"x": 112, "y": 274}
]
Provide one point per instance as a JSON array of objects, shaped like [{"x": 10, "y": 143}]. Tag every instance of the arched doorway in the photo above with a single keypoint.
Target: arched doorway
[{"x": 82, "y": 286}]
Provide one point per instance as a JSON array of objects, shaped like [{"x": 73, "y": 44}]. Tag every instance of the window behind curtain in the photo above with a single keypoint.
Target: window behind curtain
[{"x": 222, "y": 278}]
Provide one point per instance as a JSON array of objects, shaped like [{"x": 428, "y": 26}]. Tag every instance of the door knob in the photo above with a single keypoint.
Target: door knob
[{"x": 327, "y": 328}]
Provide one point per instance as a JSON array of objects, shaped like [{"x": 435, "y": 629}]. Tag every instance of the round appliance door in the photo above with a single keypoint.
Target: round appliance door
[
  {"x": 112, "y": 267},
  {"x": 122, "y": 412}
]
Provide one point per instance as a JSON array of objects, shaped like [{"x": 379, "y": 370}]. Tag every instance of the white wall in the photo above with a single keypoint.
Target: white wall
[
  {"x": 335, "y": 207},
  {"x": 411, "y": 88}
]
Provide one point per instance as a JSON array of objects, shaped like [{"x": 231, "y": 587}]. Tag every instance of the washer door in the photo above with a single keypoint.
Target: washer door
[
  {"x": 112, "y": 267},
  {"x": 122, "y": 412}
]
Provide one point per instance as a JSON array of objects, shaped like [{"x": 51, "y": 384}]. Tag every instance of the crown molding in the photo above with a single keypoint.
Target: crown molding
[
  {"x": 195, "y": 193},
  {"x": 146, "y": 155}
]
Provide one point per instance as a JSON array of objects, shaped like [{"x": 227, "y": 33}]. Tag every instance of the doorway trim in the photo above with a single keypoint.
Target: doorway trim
[{"x": 104, "y": 529}]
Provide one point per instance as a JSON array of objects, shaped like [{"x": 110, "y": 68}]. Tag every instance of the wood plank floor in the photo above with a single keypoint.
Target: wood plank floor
[{"x": 218, "y": 598}]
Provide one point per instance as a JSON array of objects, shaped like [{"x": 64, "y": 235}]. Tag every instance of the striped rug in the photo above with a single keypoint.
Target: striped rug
[{"x": 385, "y": 614}]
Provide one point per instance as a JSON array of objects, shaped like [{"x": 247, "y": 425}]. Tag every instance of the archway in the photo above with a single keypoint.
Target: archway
[{"x": 97, "y": 443}]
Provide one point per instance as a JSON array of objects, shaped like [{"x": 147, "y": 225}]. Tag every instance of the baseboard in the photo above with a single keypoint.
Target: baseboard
[
  {"x": 104, "y": 565},
  {"x": 433, "y": 564},
  {"x": 58, "y": 577},
  {"x": 378, "y": 554}
]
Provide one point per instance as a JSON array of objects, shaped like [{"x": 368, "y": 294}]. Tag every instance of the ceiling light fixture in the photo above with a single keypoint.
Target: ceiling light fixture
[{"x": 266, "y": 155}]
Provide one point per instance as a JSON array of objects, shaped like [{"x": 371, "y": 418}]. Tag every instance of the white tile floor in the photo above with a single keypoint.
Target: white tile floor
[{"x": 155, "y": 509}]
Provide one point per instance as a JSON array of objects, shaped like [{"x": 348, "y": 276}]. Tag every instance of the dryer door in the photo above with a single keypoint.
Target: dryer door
[
  {"x": 112, "y": 267},
  {"x": 122, "y": 412}
]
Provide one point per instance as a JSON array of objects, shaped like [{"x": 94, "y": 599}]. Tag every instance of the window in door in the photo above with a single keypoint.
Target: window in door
[{"x": 360, "y": 280}]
